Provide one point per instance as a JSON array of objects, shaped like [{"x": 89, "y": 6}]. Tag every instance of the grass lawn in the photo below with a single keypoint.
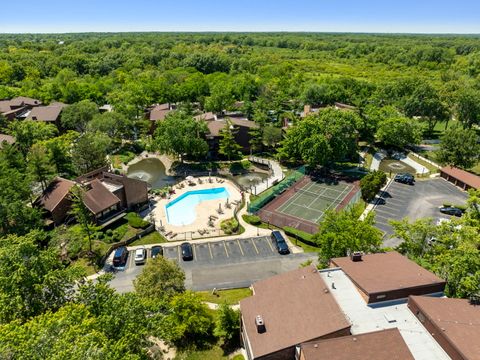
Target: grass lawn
[
  {"x": 476, "y": 169},
  {"x": 152, "y": 238},
  {"x": 84, "y": 263},
  {"x": 230, "y": 296},
  {"x": 429, "y": 166},
  {"x": 304, "y": 246}
]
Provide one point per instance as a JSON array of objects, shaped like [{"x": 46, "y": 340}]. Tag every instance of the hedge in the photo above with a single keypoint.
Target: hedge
[
  {"x": 136, "y": 221},
  {"x": 300, "y": 235}
]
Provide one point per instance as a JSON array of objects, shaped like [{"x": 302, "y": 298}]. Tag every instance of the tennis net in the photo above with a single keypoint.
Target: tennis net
[{"x": 315, "y": 195}]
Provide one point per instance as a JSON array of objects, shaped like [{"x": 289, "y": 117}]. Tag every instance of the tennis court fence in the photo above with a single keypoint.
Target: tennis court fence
[{"x": 270, "y": 194}]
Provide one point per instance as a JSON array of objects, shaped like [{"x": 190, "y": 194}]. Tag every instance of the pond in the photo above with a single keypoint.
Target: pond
[
  {"x": 250, "y": 179},
  {"x": 395, "y": 167},
  {"x": 152, "y": 171}
]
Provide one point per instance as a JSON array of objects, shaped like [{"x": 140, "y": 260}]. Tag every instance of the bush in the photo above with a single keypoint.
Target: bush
[
  {"x": 299, "y": 234},
  {"x": 229, "y": 226},
  {"x": 252, "y": 219},
  {"x": 136, "y": 221},
  {"x": 371, "y": 184}
]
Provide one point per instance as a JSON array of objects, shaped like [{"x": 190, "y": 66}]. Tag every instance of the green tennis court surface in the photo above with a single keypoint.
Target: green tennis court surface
[{"x": 311, "y": 201}]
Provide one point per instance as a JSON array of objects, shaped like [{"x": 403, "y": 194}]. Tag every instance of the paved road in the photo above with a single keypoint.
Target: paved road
[
  {"x": 222, "y": 264},
  {"x": 418, "y": 201}
]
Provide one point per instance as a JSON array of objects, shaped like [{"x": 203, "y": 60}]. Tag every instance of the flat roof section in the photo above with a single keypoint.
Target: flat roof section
[
  {"x": 389, "y": 276},
  {"x": 378, "y": 345},
  {"x": 366, "y": 318},
  {"x": 295, "y": 306},
  {"x": 455, "y": 324}
]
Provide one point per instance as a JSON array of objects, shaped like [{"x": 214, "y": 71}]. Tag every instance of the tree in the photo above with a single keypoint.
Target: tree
[
  {"x": 182, "y": 136},
  {"x": 112, "y": 124},
  {"x": 29, "y": 132},
  {"x": 399, "y": 132},
  {"x": 320, "y": 95},
  {"x": 459, "y": 147},
  {"x": 189, "y": 322},
  {"x": 255, "y": 141},
  {"x": 371, "y": 184},
  {"x": 319, "y": 139},
  {"x": 90, "y": 152},
  {"x": 220, "y": 99},
  {"x": 78, "y": 115},
  {"x": 425, "y": 102},
  {"x": 271, "y": 135},
  {"x": 228, "y": 144},
  {"x": 40, "y": 282},
  {"x": 228, "y": 325},
  {"x": 468, "y": 106},
  {"x": 342, "y": 231},
  {"x": 40, "y": 164},
  {"x": 160, "y": 279},
  {"x": 60, "y": 150},
  {"x": 82, "y": 213}
]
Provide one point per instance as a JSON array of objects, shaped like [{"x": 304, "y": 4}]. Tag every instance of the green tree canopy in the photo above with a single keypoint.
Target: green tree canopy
[
  {"x": 468, "y": 106},
  {"x": 29, "y": 132},
  {"x": 371, "y": 184},
  {"x": 459, "y": 147},
  {"x": 115, "y": 125},
  {"x": 399, "y": 131},
  {"x": 77, "y": 116},
  {"x": 90, "y": 152},
  {"x": 228, "y": 145}
]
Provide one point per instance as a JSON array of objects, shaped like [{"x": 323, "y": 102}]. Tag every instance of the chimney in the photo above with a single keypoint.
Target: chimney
[
  {"x": 260, "y": 324},
  {"x": 306, "y": 109},
  {"x": 34, "y": 118},
  {"x": 356, "y": 256}
]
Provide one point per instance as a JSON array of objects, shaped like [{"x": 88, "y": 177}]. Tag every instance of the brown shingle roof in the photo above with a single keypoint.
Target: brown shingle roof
[
  {"x": 7, "y": 138},
  {"x": 99, "y": 198},
  {"x": 466, "y": 177},
  {"x": 214, "y": 127},
  {"x": 23, "y": 100},
  {"x": 205, "y": 116},
  {"x": 56, "y": 191},
  {"x": 159, "y": 112},
  {"x": 386, "y": 272},
  {"x": 243, "y": 122},
  {"x": 378, "y": 345},
  {"x": 5, "y": 106},
  {"x": 456, "y": 321},
  {"x": 296, "y": 307},
  {"x": 46, "y": 113}
]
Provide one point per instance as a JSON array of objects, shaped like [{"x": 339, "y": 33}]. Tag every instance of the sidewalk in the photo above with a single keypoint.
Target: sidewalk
[{"x": 277, "y": 174}]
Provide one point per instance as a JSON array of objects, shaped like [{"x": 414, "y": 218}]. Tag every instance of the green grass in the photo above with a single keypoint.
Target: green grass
[
  {"x": 429, "y": 166},
  {"x": 152, "y": 238},
  {"x": 229, "y": 296},
  {"x": 304, "y": 246},
  {"x": 476, "y": 169},
  {"x": 85, "y": 264},
  {"x": 214, "y": 353}
]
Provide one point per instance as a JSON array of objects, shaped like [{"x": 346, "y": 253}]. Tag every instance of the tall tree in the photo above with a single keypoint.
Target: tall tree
[
  {"x": 182, "y": 136},
  {"x": 29, "y": 132},
  {"x": 78, "y": 115},
  {"x": 228, "y": 144},
  {"x": 271, "y": 135},
  {"x": 40, "y": 165},
  {"x": 114, "y": 124},
  {"x": 459, "y": 147},
  {"x": 399, "y": 132},
  {"x": 160, "y": 279},
  {"x": 90, "y": 152},
  {"x": 82, "y": 214},
  {"x": 343, "y": 231},
  {"x": 228, "y": 325},
  {"x": 468, "y": 106}
]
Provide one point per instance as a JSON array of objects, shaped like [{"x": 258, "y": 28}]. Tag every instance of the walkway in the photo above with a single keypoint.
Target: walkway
[{"x": 277, "y": 174}]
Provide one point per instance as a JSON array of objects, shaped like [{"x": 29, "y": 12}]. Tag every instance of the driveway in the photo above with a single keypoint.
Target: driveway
[
  {"x": 221, "y": 264},
  {"x": 414, "y": 202}
]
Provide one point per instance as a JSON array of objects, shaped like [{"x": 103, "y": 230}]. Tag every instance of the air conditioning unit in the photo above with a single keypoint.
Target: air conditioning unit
[
  {"x": 260, "y": 324},
  {"x": 356, "y": 256}
]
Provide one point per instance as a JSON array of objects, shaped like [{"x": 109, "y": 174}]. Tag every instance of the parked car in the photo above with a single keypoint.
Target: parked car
[
  {"x": 405, "y": 179},
  {"x": 156, "y": 251},
  {"x": 450, "y": 210},
  {"x": 120, "y": 257},
  {"x": 187, "y": 251},
  {"x": 140, "y": 256},
  {"x": 280, "y": 243}
]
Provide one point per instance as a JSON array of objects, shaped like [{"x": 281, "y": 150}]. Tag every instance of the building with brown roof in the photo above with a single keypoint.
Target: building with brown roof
[
  {"x": 287, "y": 310},
  {"x": 50, "y": 113},
  {"x": 454, "y": 323},
  {"x": 159, "y": 111},
  {"x": 378, "y": 345},
  {"x": 461, "y": 178},
  {"x": 106, "y": 195},
  {"x": 388, "y": 276},
  {"x": 17, "y": 107},
  {"x": 4, "y": 138}
]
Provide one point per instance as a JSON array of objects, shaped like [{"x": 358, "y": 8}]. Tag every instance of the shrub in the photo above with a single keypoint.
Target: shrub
[
  {"x": 299, "y": 234},
  {"x": 136, "y": 221},
  {"x": 229, "y": 226},
  {"x": 252, "y": 219},
  {"x": 371, "y": 184}
]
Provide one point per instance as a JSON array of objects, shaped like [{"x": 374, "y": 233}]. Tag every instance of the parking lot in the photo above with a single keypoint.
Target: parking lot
[
  {"x": 220, "y": 264},
  {"x": 414, "y": 202}
]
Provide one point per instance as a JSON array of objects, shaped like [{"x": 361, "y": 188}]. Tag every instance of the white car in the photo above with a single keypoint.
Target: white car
[{"x": 140, "y": 256}]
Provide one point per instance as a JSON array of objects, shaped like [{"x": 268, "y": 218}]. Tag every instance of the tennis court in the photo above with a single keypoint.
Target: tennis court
[{"x": 311, "y": 201}]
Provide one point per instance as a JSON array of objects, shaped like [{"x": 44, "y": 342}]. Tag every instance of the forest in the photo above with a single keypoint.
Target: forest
[{"x": 404, "y": 89}]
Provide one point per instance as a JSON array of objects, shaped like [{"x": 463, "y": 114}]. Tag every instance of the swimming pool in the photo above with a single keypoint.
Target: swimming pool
[{"x": 181, "y": 211}]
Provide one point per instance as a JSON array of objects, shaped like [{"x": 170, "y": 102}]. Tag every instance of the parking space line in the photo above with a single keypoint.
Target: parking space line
[
  {"x": 210, "y": 249},
  {"x": 178, "y": 253},
  {"x": 225, "y": 247},
  {"x": 270, "y": 243},
  {"x": 254, "y": 245},
  {"x": 194, "y": 253},
  {"x": 240, "y": 246},
  {"x": 380, "y": 216}
]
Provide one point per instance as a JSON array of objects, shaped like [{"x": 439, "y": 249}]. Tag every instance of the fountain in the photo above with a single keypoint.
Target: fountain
[
  {"x": 152, "y": 171},
  {"x": 250, "y": 179}
]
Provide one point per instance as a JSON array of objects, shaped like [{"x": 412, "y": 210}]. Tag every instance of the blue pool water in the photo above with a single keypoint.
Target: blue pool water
[{"x": 181, "y": 211}]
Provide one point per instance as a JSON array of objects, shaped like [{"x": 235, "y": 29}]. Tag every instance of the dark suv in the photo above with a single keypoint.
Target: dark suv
[
  {"x": 187, "y": 251},
  {"x": 405, "y": 179},
  {"x": 450, "y": 210},
  {"x": 280, "y": 243},
  {"x": 120, "y": 257}
]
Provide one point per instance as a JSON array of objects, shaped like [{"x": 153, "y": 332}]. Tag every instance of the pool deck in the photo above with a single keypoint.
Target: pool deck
[{"x": 203, "y": 210}]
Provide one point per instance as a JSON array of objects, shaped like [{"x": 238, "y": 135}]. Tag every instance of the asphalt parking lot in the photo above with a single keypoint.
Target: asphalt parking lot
[
  {"x": 221, "y": 264},
  {"x": 414, "y": 202}
]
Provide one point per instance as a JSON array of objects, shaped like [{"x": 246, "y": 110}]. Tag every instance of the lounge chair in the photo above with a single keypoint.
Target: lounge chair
[
  {"x": 168, "y": 233},
  {"x": 173, "y": 235},
  {"x": 200, "y": 181}
]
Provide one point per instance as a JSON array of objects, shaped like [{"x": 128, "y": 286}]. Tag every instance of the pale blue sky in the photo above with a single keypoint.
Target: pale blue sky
[{"x": 410, "y": 16}]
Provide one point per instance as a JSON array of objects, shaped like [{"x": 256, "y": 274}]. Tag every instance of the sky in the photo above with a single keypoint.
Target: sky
[{"x": 386, "y": 16}]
